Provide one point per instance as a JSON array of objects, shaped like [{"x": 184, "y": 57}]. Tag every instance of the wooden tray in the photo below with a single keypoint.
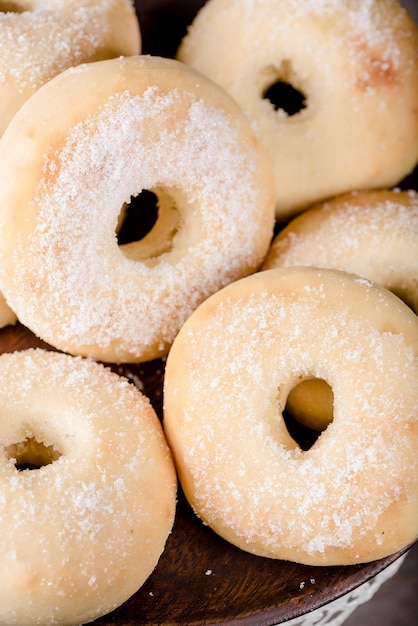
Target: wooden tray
[{"x": 201, "y": 579}]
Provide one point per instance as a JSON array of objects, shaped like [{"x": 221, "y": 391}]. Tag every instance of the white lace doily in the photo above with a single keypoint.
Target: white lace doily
[{"x": 335, "y": 613}]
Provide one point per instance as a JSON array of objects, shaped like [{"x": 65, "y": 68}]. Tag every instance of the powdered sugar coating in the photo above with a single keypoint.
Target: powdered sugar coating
[
  {"x": 46, "y": 37},
  {"x": 349, "y": 60},
  {"x": 353, "y": 496},
  {"x": 83, "y": 293},
  {"x": 372, "y": 234},
  {"x": 81, "y": 534}
]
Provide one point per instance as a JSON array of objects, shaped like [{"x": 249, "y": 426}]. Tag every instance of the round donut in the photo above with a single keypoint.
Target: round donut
[
  {"x": 351, "y": 497},
  {"x": 41, "y": 38},
  {"x": 351, "y": 68},
  {"x": 370, "y": 233},
  {"x": 87, "y": 489},
  {"x": 143, "y": 123}
]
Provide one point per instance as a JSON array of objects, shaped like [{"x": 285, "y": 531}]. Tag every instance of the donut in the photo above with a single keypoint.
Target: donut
[
  {"x": 370, "y": 233},
  {"x": 330, "y": 87},
  {"x": 144, "y": 124},
  {"x": 41, "y": 38},
  {"x": 87, "y": 489},
  {"x": 352, "y": 496}
]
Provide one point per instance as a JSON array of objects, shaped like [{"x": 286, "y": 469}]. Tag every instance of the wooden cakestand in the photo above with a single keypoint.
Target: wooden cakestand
[{"x": 200, "y": 578}]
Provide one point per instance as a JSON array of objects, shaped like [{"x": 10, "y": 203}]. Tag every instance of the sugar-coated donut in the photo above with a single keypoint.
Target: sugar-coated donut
[
  {"x": 143, "y": 123},
  {"x": 370, "y": 233},
  {"x": 351, "y": 497},
  {"x": 354, "y": 67},
  {"x": 86, "y": 525},
  {"x": 41, "y": 38}
]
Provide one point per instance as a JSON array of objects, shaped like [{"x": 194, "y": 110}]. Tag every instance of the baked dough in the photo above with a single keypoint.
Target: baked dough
[
  {"x": 350, "y": 498},
  {"x": 41, "y": 38},
  {"x": 143, "y": 123},
  {"x": 83, "y": 529},
  {"x": 354, "y": 65},
  {"x": 371, "y": 233}
]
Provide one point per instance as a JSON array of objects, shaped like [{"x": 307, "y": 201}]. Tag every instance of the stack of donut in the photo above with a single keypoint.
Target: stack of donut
[{"x": 319, "y": 322}]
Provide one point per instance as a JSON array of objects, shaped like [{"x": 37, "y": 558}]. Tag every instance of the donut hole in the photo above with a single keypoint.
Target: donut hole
[
  {"x": 32, "y": 454},
  {"x": 138, "y": 217},
  {"x": 308, "y": 411},
  {"x": 283, "y": 96},
  {"x": 282, "y": 90},
  {"x": 148, "y": 224}
]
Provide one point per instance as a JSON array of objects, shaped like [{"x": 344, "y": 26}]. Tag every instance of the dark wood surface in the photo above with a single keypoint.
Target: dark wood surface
[{"x": 201, "y": 579}]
